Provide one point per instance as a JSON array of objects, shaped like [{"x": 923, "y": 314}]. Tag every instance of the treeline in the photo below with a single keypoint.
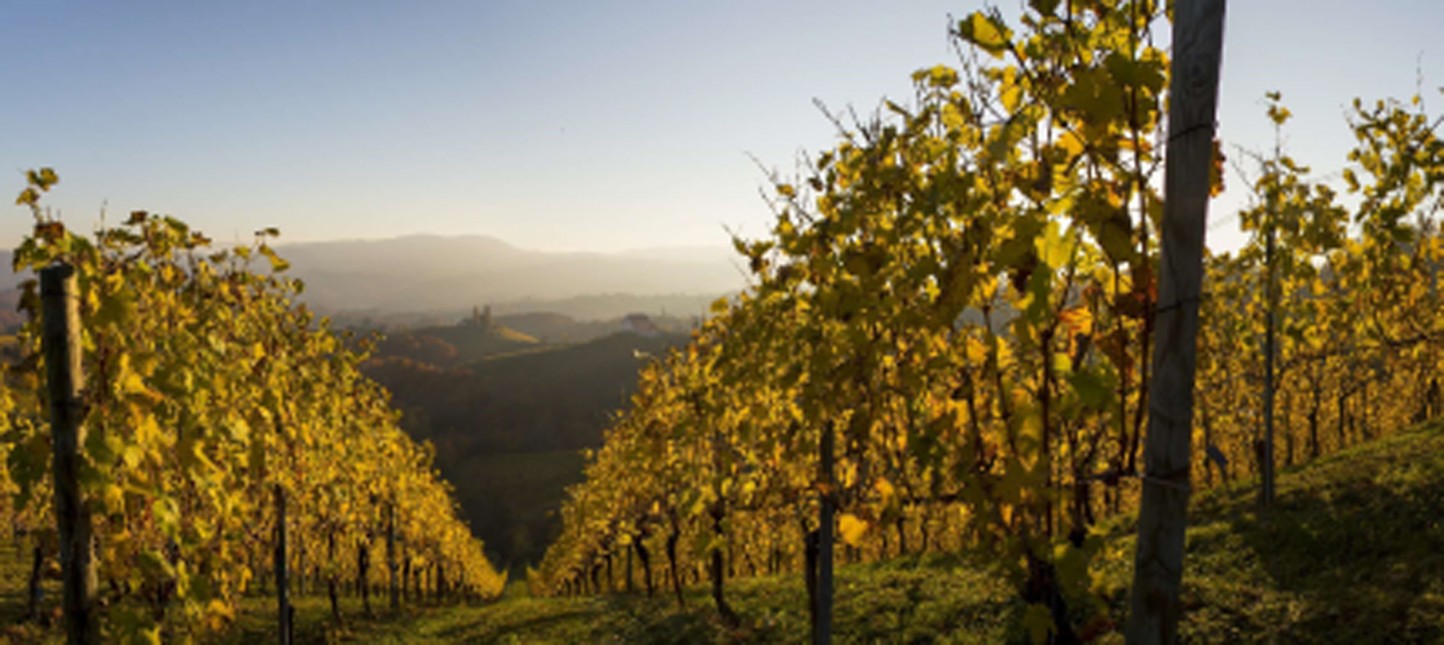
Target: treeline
[
  {"x": 947, "y": 341},
  {"x": 211, "y": 398}
]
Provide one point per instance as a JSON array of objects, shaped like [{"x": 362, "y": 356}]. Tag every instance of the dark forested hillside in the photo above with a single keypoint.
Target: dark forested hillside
[
  {"x": 530, "y": 403},
  {"x": 547, "y": 398}
]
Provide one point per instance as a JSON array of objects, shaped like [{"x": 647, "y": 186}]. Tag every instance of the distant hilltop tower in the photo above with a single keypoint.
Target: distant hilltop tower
[{"x": 480, "y": 317}]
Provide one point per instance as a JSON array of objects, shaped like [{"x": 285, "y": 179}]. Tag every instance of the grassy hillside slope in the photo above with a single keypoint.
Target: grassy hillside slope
[
  {"x": 1353, "y": 553},
  {"x": 452, "y": 345}
]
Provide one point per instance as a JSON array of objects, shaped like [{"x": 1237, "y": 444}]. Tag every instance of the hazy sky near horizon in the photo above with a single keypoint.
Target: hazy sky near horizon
[{"x": 572, "y": 125}]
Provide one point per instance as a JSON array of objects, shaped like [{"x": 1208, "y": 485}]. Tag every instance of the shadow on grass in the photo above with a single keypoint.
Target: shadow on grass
[
  {"x": 1357, "y": 558},
  {"x": 486, "y": 633}
]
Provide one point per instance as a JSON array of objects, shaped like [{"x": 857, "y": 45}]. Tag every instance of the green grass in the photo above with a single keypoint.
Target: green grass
[
  {"x": 902, "y": 601},
  {"x": 1353, "y": 552}
]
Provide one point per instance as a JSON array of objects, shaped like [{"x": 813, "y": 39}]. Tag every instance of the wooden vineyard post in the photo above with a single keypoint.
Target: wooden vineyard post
[
  {"x": 1266, "y": 452},
  {"x": 405, "y": 577},
  {"x": 628, "y": 579},
  {"x": 391, "y": 555},
  {"x": 283, "y": 601},
  {"x": 1193, "y": 98},
  {"x": 822, "y": 629},
  {"x": 363, "y": 568},
  {"x": 439, "y": 582},
  {"x": 61, "y": 344}
]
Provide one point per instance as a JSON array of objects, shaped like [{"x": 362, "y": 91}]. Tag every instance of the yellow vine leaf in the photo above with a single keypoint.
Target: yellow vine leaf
[
  {"x": 986, "y": 33},
  {"x": 851, "y": 528}
]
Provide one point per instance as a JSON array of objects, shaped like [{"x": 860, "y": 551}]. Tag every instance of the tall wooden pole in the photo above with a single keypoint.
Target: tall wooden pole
[
  {"x": 391, "y": 555},
  {"x": 822, "y": 628},
  {"x": 1266, "y": 452},
  {"x": 1267, "y": 463},
  {"x": 64, "y": 377},
  {"x": 1158, "y": 564},
  {"x": 283, "y": 583}
]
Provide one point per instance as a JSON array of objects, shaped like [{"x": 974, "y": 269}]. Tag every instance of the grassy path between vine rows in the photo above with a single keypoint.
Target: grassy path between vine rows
[{"x": 1354, "y": 553}]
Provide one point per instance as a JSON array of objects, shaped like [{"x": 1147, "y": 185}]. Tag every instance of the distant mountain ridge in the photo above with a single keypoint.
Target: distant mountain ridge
[
  {"x": 426, "y": 272},
  {"x": 444, "y": 276}
]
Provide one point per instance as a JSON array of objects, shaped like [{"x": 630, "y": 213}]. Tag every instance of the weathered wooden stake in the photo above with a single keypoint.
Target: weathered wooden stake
[
  {"x": 627, "y": 581},
  {"x": 1266, "y": 453},
  {"x": 363, "y": 568},
  {"x": 283, "y": 583},
  {"x": 822, "y": 628},
  {"x": 391, "y": 555},
  {"x": 61, "y": 343},
  {"x": 35, "y": 594},
  {"x": 406, "y": 578},
  {"x": 1162, "y": 518}
]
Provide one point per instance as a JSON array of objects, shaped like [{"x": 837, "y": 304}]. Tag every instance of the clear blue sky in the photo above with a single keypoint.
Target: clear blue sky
[{"x": 553, "y": 125}]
